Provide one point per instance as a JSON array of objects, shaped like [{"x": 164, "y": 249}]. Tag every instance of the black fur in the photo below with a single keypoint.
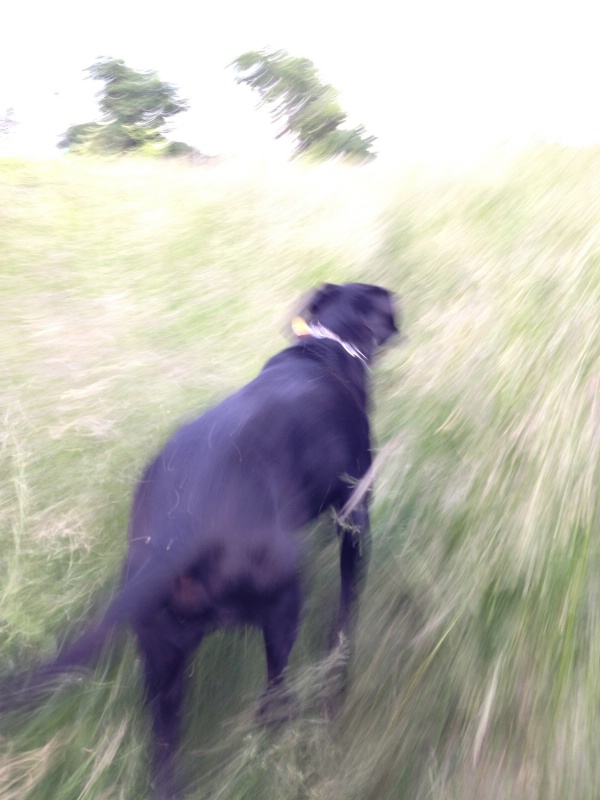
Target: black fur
[{"x": 212, "y": 535}]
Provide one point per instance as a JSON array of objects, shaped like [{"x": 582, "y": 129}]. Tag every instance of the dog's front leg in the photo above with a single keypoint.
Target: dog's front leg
[
  {"x": 355, "y": 550},
  {"x": 355, "y": 547}
]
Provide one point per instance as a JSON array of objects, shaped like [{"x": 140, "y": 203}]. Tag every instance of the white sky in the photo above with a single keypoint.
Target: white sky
[{"x": 428, "y": 77}]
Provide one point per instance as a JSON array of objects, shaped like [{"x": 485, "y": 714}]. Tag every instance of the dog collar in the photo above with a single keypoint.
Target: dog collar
[{"x": 302, "y": 329}]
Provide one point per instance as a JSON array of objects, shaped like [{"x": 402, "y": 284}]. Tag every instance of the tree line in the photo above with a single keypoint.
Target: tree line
[{"x": 137, "y": 109}]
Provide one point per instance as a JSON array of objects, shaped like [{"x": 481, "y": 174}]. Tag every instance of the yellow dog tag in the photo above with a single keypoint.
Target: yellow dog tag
[{"x": 300, "y": 327}]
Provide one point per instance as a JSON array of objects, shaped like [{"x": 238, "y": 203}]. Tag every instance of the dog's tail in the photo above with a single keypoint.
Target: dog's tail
[
  {"x": 28, "y": 688},
  {"x": 138, "y": 598},
  {"x": 79, "y": 653}
]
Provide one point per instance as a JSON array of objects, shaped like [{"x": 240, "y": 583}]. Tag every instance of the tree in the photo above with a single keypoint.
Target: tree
[
  {"x": 135, "y": 106},
  {"x": 309, "y": 110}
]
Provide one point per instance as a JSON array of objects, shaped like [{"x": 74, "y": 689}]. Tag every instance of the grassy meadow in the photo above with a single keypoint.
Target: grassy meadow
[{"x": 134, "y": 294}]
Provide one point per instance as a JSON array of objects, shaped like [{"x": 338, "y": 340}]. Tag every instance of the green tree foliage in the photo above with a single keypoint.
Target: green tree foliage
[
  {"x": 135, "y": 106},
  {"x": 308, "y": 109}
]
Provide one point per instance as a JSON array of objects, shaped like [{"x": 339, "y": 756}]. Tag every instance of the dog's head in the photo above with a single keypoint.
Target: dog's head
[{"x": 359, "y": 313}]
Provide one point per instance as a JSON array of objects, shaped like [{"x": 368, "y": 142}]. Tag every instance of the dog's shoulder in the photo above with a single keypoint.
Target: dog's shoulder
[{"x": 318, "y": 366}]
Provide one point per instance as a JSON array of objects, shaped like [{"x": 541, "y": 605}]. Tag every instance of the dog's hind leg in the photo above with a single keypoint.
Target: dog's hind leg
[
  {"x": 280, "y": 629},
  {"x": 166, "y": 645}
]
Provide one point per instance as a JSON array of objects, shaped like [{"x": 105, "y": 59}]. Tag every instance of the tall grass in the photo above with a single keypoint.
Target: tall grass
[{"x": 133, "y": 295}]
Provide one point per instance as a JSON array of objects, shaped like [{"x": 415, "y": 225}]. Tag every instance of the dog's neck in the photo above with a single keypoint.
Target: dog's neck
[{"x": 318, "y": 331}]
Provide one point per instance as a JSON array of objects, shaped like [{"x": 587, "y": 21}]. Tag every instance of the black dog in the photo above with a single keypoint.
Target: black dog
[{"x": 213, "y": 530}]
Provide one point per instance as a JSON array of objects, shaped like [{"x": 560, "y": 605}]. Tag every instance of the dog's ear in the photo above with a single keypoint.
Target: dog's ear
[{"x": 323, "y": 296}]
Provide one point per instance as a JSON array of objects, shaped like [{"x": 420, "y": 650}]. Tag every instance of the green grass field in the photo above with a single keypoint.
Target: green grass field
[{"x": 134, "y": 294}]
